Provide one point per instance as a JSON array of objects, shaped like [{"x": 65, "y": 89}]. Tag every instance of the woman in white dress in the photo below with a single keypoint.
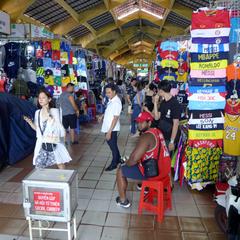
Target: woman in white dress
[{"x": 49, "y": 149}]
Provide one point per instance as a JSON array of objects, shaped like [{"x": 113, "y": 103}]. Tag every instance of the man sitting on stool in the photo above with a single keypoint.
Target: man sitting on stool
[{"x": 147, "y": 147}]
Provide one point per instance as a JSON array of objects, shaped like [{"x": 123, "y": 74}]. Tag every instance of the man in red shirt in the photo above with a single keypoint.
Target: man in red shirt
[{"x": 151, "y": 144}]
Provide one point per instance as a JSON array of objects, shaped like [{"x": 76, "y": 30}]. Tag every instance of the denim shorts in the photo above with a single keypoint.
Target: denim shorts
[{"x": 132, "y": 172}]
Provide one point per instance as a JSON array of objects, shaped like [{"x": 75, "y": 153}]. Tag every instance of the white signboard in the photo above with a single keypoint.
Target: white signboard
[
  {"x": 40, "y": 32},
  {"x": 4, "y": 23},
  {"x": 20, "y": 30}
]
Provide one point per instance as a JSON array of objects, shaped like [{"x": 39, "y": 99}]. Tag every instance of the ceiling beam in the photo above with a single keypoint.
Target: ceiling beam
[
  {"x": 182, "y": 10},
  {"x": 69, "y": 24},
  {"x": 69, "y": 9},
  {"x": 15, "y": 8},
  {"x": 75, "y": 15},
  {"x": 168, "y": 10}
]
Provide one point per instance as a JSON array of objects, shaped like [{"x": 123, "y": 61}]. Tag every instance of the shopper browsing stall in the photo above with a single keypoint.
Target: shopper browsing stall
[
  {"x": 70, "y": 111},
  {"x": 111, "y": 124},
  {"x": 49, "y": 149},
  {"x": 168, "y": 113}
]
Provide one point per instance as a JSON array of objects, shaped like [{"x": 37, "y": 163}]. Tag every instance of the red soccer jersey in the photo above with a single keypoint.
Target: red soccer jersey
[
  {"x": 210, "y": 19},
  {"x": 164, "y": 161},
  {"x": 171, "y": 55},
  {"x": 233, "y": 107},
  {"x": 205, "y": 143}
]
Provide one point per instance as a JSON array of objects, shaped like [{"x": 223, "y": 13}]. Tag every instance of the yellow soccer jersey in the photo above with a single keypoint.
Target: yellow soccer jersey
[
  {"x": 55, "y": 44},
  {"x": 220, "y": 64},
  {"x": 182, "y": 77},
  {"x": 231, "y": 139},
  {"x": 169, "y": 63},
  {"x": 205, "y": 135}
]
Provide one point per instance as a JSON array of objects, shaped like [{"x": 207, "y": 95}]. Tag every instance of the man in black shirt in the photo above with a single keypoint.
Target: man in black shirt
[{"x": 168, "y": 113}]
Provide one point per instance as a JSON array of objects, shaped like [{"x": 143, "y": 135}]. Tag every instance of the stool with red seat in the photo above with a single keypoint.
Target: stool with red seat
[{"x": 159, "y": 189}]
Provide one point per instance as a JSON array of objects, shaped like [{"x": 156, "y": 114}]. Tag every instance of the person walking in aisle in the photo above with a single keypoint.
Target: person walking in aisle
[
  {"x": 136, "y": 108},
  {"x": 49, "y": 150},
  {"x": 111, "y": 124},
  {"x": 70, "y": 111}
]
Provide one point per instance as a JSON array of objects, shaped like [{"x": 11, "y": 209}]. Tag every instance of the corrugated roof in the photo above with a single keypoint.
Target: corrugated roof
[
  {"x": 194, "y": 4},
  {"x": 178, "y": 20},
  {"x": 48, "y": 12},
  {"x": 102, "y": 20},
  {"x": 79, "y": 32},
  {"x": 133, "y": 23},
  {"x": 145, "y": 22},
  {"x": 82, "y": 5}
]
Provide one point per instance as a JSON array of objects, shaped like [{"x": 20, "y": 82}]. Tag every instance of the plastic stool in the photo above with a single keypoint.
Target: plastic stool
[
  {"x": 77, "y": 129},
  {"x": 161, "y": 189},
  {"x": 92, "y": 113},
  {"x": 100, "y": 108}
]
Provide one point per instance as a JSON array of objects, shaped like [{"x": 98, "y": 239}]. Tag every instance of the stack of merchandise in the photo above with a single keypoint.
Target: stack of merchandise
[
  {"x": 167, "y": 64},
  {"x": 54, "y": 63},
  {"x": 207, "y": 91},
  {"x": 172, "y": 65}
]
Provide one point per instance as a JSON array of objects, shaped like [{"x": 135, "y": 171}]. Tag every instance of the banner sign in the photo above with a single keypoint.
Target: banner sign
[
  {"x": 20, "y": 30},
  {"x": 40, "y": 32},
  {"x": 47, "y": 201},
  {"x": 4, "y": 23}
]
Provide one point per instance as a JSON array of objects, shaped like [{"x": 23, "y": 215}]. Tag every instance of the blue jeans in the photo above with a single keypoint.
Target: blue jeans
[
  {"x": 135, "y": 113},
  {"x": 112, "y": 143}
]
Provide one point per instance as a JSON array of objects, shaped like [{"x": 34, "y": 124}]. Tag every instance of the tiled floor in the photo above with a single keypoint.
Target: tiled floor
[{"x": 98, "y": 217}]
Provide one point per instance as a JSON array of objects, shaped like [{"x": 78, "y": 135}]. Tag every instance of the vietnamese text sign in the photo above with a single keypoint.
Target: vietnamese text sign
[{"x": 47, "y": 201}]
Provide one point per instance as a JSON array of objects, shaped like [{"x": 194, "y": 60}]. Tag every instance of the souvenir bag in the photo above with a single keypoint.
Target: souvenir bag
[
  {"x": 46, "y": 156},
  {"x": 151, "y": 166}
]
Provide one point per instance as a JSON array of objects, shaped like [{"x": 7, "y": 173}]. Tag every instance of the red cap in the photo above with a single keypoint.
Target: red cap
[{"x": 144, "y": 116}]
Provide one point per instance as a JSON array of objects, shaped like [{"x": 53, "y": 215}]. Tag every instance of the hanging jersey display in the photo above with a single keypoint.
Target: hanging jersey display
[
  {"x": 232, "y": 135},
  {"x": 233, "y": 106},
  {"x": 202, "y": 165},
  {"x": 205, "y": 19}
]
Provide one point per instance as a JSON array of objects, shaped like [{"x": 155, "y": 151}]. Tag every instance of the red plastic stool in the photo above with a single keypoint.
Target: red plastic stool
[
  {"x": 93, "y": 112},
  {"x": 161, "y": 189}
]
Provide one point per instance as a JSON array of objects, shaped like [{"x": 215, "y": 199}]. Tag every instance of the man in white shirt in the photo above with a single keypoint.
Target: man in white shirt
[{"x": 111, "y": 124}]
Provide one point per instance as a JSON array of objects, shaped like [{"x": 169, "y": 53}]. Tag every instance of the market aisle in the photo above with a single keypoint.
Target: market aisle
[{"x": 192, "y": 216}]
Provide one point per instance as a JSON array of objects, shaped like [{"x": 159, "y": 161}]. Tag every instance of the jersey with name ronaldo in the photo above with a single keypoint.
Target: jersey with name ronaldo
[
  {"x": 209, "y": 48},
  {"x": 220, "y": 64},
  {"x": 205, "y": 19}
]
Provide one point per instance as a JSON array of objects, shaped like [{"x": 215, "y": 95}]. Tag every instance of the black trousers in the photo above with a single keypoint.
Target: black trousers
[{"x": 112, "y": 143}]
